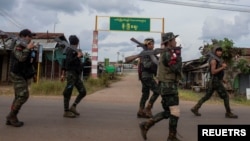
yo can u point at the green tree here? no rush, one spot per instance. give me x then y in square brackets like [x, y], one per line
[243, 66]
[229, 51]
[235, 66]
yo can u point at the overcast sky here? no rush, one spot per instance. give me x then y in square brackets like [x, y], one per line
[194, 25]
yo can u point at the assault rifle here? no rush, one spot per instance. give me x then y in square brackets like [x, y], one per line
[149, 52]
[66, 45]
[14, 39]
[139, 44]
[212, 56]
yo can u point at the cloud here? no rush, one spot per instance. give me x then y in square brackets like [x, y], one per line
[219, 28]
[28, 14]
[8, 4]
[118, 6]
[86, 40]
[69, 7]
[193, 24]
[46, 12]
[114, 44]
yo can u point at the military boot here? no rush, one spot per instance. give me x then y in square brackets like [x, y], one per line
[73, 110]
[195, 110]
[141, 113]
[172, 136]
[144, 126]
[148, 111]
[12, 120]
[69, 114]
[230, 115]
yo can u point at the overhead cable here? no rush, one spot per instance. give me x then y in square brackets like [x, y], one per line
[206, 4]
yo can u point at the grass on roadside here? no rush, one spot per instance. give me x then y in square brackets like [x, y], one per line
[56, 87]
[189, 95]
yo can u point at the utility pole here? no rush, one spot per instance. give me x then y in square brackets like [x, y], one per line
[118, 53]
[55, 27]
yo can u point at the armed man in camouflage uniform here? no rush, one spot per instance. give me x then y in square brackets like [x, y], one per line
[216, 84]
[73, 68]
[168, 74]
[147, 72]
[22, 69]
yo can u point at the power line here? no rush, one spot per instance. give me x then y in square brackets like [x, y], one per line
[204, 5]
[221, 3]
[8, 17]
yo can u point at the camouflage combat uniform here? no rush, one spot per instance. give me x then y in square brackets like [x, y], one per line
[73, 66]
[215, 84]
[22, 69]
[168, 74]
[148, 71]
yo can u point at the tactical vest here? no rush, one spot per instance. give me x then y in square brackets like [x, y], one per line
[218, 75]
[151, 67]
[72, 62]
[164, 73]
[24, 69]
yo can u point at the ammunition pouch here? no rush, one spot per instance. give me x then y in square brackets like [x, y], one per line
[24, 69]
[29, 74]
[152, 69]
[26, 73]
[168, 88]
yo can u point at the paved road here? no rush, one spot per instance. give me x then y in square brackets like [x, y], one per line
[107, 115]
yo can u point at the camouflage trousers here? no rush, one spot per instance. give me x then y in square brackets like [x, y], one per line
[215, 85]
[147, 85]
[170, 98]
[21, 91]
[73, 79]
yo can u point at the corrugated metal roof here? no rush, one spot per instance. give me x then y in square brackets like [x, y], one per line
[45, 39]
[40, 35]
[48, 46]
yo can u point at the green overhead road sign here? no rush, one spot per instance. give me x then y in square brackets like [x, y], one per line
[129, 24]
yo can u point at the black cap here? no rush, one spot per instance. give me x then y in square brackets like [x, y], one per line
[26, 32]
